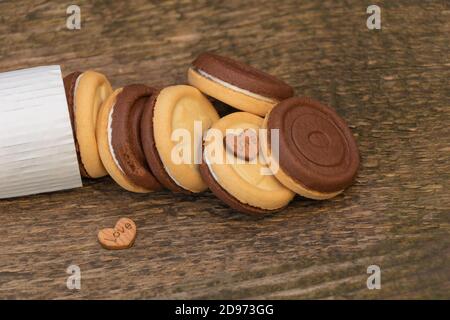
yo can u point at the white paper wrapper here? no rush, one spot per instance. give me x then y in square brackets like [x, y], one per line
[37, 151]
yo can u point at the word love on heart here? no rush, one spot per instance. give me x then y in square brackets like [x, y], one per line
[120, 237]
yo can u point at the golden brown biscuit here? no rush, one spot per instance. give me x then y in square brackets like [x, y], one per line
[174, 118]
[85, 94]
[237, 84]
[237, 175]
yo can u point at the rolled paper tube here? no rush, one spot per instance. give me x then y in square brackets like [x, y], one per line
[37, 151]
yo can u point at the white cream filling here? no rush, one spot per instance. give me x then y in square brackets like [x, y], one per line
[111, 149]
[233, 87]
[77, 82]
[208, 163]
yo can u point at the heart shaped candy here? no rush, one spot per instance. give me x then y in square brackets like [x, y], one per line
[120, 237]
[244, 146]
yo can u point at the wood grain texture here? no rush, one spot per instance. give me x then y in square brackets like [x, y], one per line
[392, 87]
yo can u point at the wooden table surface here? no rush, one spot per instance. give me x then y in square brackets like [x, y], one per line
[391, 85]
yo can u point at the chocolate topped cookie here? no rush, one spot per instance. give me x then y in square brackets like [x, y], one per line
[234, 170]
[318, 156]
[85, 93]
[118, 133]
[171, 133]
[237, 84]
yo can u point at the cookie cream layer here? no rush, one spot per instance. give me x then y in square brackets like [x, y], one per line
[208, 163]
[77, 82]
[233, 87]
[111, 149]
[231, 95]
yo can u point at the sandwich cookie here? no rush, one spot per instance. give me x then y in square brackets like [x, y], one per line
[171, 133]
[119, 141]
[233, 169]
[318, 156]
[85, 93]
[237, 84]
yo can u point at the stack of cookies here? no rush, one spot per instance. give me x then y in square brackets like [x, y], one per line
[255, 160]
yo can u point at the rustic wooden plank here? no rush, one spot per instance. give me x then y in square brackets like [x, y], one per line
[391, 86]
